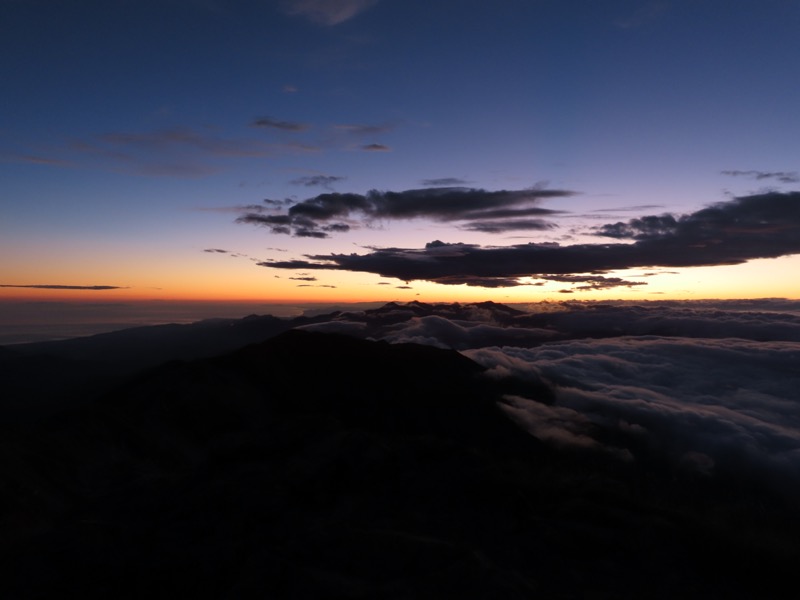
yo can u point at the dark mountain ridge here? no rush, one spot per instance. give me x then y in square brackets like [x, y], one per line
[321, 466]
[81, 368]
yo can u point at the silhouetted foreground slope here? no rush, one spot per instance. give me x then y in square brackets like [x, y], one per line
[322, 466]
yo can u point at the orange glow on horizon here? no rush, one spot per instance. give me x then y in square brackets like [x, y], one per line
[243, 282]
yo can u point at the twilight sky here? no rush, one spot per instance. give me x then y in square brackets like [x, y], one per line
[352, 150]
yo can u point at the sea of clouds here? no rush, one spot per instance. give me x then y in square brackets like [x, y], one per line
[708, 388]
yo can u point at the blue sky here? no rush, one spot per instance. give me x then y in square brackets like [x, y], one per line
[133, 133]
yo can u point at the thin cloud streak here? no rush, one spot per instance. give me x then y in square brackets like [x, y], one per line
[444, 182]
[363, 129]
[65, 287]
[323, 181]
[270, 123]
[376, 148]
[781, 176]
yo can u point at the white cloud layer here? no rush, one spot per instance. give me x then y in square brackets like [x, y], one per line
[702, 388]
[727, 405]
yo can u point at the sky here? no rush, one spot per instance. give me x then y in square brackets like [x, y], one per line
[366, 150]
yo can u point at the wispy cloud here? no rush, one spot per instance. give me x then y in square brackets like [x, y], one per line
[781, 176]
[363, 129]
[323, 181]
[327, 12]
[186, 138]
[270, 123]
[376, 148]
[178, 151]
[444, 182]
[35, 159]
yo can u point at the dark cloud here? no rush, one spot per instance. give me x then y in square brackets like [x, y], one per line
[324, 181]
[217, 250]
[485, 282]
[781, 176]
[327, 12]
[66, 287]
[270, 123]
[303, 278]
[649, 227]
[337, 227]
[481, 208]
[727, 233]
[375, 148]
[591, 282]
[304, 232]
[509, 225]
[444, 182]
[275, 223]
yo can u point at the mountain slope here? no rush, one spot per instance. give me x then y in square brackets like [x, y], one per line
[322, 466]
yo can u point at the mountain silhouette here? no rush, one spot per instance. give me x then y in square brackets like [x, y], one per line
[316, 465]
[81, 368]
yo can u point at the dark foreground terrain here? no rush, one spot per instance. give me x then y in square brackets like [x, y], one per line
[322, 466]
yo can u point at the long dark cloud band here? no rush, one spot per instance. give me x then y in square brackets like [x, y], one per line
[65, 287]
[728, 233]
[478, 209]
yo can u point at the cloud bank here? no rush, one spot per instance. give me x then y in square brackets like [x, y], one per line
[727, 233]
[476, 209]
[706, 405]
[700, 389]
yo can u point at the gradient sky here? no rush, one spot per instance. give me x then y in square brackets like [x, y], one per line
[194, 149]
